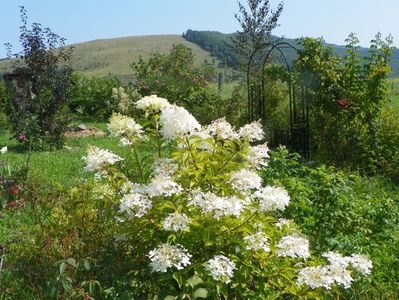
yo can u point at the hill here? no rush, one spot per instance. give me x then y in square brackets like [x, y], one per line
[101, 57]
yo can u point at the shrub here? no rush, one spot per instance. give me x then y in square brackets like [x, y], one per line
[188, 218]
[37, 105]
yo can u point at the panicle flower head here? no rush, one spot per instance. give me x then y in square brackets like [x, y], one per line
[177, 122]
[251, 132]
[215, 205]
[361, 263]
[165, 167]
[257, 241]
[336, 258]
[293, 246]
[152, 104]
[176, 222]
[168, 256]
[97, 159]
[162, 185]
[257, 156]
[315, 277]
[221, 268]
[272, 198]
[120, 125]
[135, 205]
[340, 275]
[4, 150]
[245, 180]
[221, 130]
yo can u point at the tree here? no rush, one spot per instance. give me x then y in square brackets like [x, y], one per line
[37, 106]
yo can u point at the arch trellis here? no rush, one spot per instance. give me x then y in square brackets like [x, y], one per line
[296, 137]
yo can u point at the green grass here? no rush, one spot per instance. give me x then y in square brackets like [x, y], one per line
[101, 57]
[63, 167]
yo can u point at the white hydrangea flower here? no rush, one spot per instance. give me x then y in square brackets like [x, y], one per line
[168, 256]
[130, 187]
[272, 198]
[336, 258]
[125, 142]
[221, 268]
[315, 277]
[222, 130]
[245, 180]
[361, 263]
[120, 125]
[216, 206]
[340, 275]
[152, 104]
[165, 167]
[251, 132]
[177, 122]
[97, 159]
[135, 205]
[293, 246]
[4, 150]
[257, 241]
[161, 185]
[176, 222]
[258, 155]
[283, 222]
[206, 140]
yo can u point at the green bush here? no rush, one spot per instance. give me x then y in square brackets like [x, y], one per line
[346, 213]
[186, 219]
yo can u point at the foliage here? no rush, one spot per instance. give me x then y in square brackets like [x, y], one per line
[191, 226]
[175, 77]
[346, 213]
[95, 97]
[37, 107]
[348, 95]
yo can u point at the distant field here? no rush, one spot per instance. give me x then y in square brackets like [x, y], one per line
[101, 57]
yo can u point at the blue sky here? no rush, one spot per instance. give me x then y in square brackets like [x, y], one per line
[85, 20]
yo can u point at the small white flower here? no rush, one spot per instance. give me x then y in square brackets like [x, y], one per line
[97, 159]
[176, 222]
[177, 122]
[251, 132]
[134, 204]
[168, 256]
[162, 185]
[125, 142]
[293, 246]
[272, 198]
[361, 263]
[165, 167]
[120, 125]
[336, 258]
[221, 268]
[340, 275]
[245, 180]
[221, 130]
[215, 205]
[257, 241]
[4, 150]
[315, 277]
[257, 156]
[152, 104]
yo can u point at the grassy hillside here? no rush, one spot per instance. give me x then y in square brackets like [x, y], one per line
[100, 57]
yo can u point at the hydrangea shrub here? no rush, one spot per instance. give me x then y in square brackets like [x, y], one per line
[198, 220]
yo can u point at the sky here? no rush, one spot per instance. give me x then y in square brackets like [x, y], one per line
[84, 20]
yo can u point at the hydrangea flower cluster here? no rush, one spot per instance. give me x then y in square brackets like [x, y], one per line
[221, 268]
[245, 180]
[257, 241]
[216, 206]
[251, 132]
[176, 222]
[257, 156]
[272, 198]
[336, 272]
[177, 122]
[97, 159]
[152, 104]
[293, 246]
[123, 126]
[168, 256]
[134, 204]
